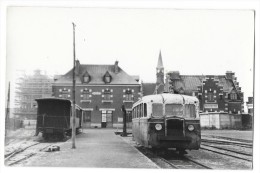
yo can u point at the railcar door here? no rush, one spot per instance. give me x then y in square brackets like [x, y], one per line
[86, 119]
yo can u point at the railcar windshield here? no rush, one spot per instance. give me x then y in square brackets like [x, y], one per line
[174, 109]
[157, 110]
[190, 111]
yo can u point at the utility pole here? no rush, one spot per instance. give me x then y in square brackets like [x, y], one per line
[7, 116]
[73, 93]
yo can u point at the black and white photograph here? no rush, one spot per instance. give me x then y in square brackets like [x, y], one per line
[149, 85]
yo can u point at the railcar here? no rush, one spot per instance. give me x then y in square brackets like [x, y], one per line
[166, 121]
[54, 117]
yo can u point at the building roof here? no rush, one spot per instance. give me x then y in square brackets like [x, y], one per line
[189, 83]
[148, 88]
[96, 73]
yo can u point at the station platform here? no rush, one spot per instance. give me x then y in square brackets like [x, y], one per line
[95, 148]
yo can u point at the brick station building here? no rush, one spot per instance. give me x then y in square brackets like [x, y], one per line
[101, 90]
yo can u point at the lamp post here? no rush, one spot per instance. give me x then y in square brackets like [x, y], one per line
[124, 121]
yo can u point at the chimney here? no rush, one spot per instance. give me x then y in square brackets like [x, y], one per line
[174, 75]
[229, 75]
[116, 67]
[77, 67]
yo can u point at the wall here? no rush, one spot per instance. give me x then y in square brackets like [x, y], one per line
[220, 121]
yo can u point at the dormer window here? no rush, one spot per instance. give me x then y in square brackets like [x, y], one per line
[86, 78]
[107, 78]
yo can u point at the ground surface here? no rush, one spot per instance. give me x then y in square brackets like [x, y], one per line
[103, 149]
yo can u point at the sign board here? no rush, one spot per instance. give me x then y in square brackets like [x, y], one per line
[96, 93]
[120, 120]
[211, 106]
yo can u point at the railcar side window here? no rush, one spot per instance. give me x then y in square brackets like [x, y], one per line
[138, 111]
[142, 113]
[190, 111]
[174, 109]
[145, 110]
[157, 110]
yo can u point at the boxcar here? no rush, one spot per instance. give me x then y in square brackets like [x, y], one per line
[166, 121]
[54, 117]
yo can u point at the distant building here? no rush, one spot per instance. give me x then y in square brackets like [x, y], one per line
[101, 90]
[29, 88]
[250, 106]
[216, 93]
[221, 98]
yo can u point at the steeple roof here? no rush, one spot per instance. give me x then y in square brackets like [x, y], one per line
[160, 63]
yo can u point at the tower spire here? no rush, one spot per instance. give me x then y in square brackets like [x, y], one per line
[160, 71]
[160, 63]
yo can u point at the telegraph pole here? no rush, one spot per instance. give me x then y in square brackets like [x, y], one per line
[7, 116]
[73, 93]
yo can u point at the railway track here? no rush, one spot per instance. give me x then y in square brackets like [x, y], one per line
[182, 162]
[227, 152]
[224, 142]
[22, 154]
[172, 160]
[227, 138]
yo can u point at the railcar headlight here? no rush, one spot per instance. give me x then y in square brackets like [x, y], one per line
[190, 127]
[158, 127]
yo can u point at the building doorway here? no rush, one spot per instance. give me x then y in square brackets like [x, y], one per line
[106, 119]
[86, 120]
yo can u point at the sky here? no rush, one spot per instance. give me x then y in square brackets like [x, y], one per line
[193, 42]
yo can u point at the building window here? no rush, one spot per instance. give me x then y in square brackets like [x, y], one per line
[107, 95]
[221, 96]
[233, 96]
[64, 93]
[128, 95]
[210, 96]
[85, 95]
[199, 96]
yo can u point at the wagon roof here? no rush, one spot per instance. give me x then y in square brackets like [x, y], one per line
[52, 98]
[169, 98]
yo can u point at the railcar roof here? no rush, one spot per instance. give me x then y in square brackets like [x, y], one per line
[168, 98]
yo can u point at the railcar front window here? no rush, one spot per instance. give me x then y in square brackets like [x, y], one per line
[174, 109]
[157, 110]
[190, 111]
